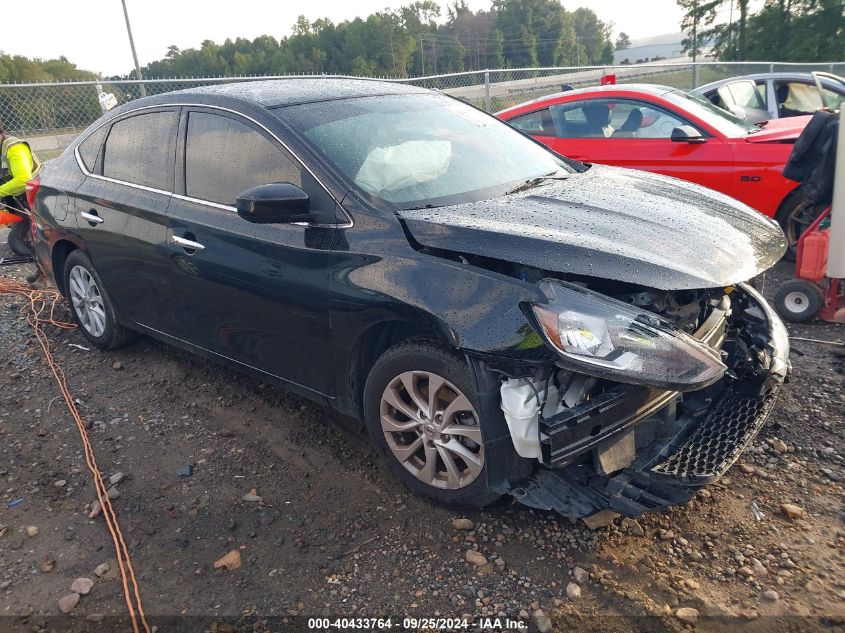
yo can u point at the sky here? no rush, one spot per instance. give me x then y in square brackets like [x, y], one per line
[92, 33]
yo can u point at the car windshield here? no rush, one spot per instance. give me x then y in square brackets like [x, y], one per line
[724, 122]
[421, 150]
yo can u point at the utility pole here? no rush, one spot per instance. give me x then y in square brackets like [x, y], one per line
[695, 33]
[422, 55]
[143, 90]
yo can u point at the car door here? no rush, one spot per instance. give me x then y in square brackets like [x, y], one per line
[121, 212]
[634, 134]
[257, 294]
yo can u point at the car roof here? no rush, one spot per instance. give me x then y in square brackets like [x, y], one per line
[655, 90]
[297, 90]
[762, 76]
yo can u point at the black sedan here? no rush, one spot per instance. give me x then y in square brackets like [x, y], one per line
[504, 320]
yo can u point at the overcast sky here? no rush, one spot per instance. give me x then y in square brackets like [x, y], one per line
[92, 33]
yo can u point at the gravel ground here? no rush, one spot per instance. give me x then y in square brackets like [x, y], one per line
[323, 530]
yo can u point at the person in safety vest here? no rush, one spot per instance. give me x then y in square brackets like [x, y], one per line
[18, 164]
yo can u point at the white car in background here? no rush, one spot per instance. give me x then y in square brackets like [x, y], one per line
[775, 95]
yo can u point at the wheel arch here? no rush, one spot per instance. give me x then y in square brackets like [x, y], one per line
[375, 341]
[787, 200]
[58, 256]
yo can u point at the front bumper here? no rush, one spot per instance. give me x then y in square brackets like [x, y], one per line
[682, 442]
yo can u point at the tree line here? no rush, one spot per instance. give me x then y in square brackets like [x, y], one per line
[412, 40]
[20, 69]
[778, 30]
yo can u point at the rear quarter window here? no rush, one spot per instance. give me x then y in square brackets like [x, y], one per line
[89, 149]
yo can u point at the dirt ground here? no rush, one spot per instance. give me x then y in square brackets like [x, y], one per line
[334, 535]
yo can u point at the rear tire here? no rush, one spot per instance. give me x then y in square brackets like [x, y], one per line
[799, 300]
[91, 306]
[434, 442]
[18, 239]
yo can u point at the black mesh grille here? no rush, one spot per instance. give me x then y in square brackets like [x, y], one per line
[718, 440]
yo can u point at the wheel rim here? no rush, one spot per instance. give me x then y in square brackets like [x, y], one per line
[432, 428]
[796, 302]
[87, 301]
[799, 220]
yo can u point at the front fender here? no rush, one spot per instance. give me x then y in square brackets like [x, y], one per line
[470, 308]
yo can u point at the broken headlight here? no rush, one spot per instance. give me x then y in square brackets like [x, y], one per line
[603, 337]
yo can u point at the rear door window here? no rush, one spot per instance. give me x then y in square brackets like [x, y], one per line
[139, 150]
[225, 156]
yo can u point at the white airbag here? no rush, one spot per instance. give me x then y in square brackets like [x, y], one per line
[404, 165]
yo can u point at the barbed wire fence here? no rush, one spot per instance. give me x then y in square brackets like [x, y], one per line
[42, 109]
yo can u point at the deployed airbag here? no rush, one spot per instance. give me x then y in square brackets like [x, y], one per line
[407, 164]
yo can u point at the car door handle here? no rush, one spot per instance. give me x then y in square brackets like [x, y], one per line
[91, 217]
[188, 245]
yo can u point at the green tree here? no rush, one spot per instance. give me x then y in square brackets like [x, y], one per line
[623, 41]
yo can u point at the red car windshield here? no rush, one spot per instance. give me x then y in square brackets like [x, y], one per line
[723, 121]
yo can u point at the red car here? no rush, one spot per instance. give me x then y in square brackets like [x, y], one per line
[667, 131]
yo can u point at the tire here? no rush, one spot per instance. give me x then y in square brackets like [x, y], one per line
[91, 306]
[413, 365]
[795, 214]
[18, 238]
[799, 300]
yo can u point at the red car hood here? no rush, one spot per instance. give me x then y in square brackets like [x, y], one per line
[780, 130]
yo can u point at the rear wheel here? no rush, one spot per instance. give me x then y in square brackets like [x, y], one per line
[91, 306]
[799, 300]
[795, 215]
[421, 408]
[19, 240]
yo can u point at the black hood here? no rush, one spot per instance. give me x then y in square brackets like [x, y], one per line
[614, 224]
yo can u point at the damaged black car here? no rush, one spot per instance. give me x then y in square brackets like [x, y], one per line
[504, 320]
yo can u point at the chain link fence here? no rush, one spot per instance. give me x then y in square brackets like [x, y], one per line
[53, 109]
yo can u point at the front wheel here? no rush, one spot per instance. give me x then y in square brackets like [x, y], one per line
[19, 239]
[421, 408]
[799, 300]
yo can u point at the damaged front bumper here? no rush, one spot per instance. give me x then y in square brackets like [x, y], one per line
[675, 443]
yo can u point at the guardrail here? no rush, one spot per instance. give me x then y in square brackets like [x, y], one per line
[36, 109]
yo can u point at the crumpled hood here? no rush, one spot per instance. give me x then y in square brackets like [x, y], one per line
[612, 223]
[783, 130]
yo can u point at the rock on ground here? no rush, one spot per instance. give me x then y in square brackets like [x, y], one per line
[68, 602]
[600, 519]
[688, 615]
[476, 558]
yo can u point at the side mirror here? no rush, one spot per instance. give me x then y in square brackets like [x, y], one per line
[276, 203]
[687, 134]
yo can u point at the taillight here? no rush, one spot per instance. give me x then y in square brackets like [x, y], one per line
[31, 190]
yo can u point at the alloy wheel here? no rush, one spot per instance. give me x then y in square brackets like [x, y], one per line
[432, 428]
[87, 301]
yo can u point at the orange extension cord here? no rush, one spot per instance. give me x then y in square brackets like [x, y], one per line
[41, 310]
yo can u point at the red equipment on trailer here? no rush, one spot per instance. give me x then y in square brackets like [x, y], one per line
[812, 293]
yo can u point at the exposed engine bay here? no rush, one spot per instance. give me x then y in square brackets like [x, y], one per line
[606, 443]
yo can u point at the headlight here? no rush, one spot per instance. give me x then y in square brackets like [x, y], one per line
[607, 338]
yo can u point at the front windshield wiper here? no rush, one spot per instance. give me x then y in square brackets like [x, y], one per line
[534, 182]
[758, 127]
[425, 206]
